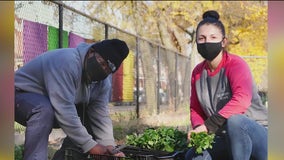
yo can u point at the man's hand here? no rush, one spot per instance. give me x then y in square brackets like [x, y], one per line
[98, 149]
[201, 128]
[106, 150]
[113, 151]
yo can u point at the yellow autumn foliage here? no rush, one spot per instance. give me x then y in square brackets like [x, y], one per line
[173, 23]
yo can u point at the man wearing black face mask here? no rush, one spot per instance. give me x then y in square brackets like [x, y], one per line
[101, 57]
[52, 90]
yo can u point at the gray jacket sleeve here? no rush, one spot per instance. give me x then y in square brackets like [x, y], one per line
[61, 85]
[98, 112]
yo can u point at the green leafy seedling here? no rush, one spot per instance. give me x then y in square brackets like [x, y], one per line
[201, 141]
[167, 139]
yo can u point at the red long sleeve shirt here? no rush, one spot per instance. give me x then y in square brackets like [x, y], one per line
[228, 90]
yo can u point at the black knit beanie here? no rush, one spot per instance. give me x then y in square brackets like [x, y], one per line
[113, 50]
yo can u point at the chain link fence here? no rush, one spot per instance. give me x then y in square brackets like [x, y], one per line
[152, 78]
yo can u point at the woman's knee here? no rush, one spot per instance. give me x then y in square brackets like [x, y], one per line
[236, 121]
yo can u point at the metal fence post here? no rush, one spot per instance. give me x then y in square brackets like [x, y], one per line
[137, 79]
[176, 65]
[106, 31]
[158, 81]
[60, 21]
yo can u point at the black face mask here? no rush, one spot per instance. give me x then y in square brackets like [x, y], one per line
[209, 51]
[94, 70]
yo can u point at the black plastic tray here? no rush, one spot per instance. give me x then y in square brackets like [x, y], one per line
[131, 153]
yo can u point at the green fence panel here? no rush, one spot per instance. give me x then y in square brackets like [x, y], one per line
[53, 38]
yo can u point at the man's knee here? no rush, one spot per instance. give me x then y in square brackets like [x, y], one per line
[48, 112]
[44, 112]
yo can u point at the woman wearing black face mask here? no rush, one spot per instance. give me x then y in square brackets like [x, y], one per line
[224, 99]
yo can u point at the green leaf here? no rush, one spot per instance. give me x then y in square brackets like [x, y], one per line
[201, 141]
[199, 150]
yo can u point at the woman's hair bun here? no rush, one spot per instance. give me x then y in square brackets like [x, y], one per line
[211, 14]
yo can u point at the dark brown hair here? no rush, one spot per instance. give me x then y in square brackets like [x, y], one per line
[211, 17]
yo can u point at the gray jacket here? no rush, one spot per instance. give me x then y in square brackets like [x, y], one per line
[58, 75]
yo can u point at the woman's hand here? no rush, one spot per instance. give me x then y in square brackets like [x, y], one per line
[201, 128]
